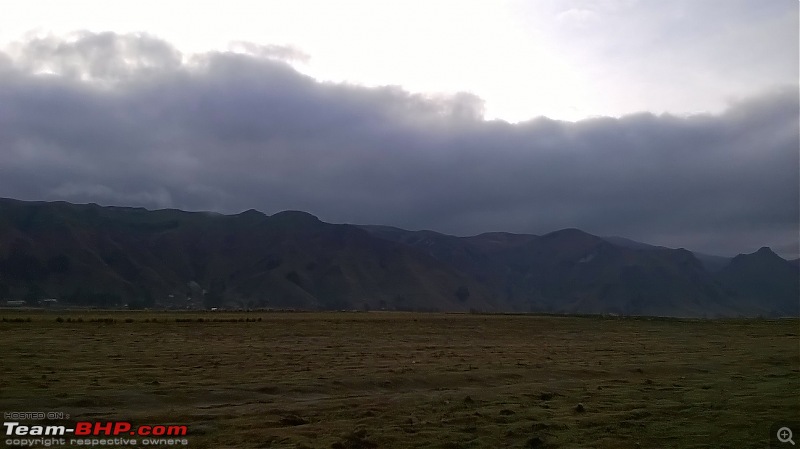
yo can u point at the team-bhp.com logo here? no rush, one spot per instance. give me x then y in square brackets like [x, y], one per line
[87, 433]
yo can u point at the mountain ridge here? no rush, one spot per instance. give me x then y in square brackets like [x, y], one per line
[86, 254]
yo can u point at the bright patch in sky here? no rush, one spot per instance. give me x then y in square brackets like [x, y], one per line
[565, 60]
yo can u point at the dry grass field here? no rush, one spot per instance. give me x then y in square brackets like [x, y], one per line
[395, 380]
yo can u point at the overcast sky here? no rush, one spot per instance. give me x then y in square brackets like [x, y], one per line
[673, 123]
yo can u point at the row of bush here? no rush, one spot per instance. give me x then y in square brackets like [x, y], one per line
[93, 320]
[146, 320]
[217, 320]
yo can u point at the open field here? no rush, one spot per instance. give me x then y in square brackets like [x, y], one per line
[362, 380]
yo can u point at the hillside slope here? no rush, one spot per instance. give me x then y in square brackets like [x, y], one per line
[87, 254]
[114, 256]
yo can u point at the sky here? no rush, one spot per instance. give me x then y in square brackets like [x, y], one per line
[673, 123]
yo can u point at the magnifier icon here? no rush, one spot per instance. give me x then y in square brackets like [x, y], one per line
[785, 435]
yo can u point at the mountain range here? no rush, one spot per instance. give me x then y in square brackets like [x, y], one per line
[85, 254]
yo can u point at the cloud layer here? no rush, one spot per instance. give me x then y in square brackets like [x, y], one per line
[129, 120]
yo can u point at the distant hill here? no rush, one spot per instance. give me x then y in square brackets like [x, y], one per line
[573, 271]
[87, 254]
[570, 271]
[765, 280]
[114, 256]
[710, 262]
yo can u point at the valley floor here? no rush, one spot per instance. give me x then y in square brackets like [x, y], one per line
[402, 380]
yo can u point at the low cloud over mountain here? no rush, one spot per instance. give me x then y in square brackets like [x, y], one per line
[129, 120]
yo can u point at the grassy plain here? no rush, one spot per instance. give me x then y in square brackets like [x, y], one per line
[396, 380]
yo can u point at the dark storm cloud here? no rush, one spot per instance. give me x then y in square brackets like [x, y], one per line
[128, 120]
